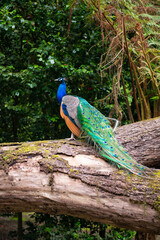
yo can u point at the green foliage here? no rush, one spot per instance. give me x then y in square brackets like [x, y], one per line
[44, 226]
[35, 50]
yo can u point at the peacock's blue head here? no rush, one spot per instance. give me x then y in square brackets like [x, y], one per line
[61, 92]
[61, 79]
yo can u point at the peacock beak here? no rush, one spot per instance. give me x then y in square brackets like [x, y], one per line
[60, 79]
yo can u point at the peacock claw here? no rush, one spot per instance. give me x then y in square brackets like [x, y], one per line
[71, 138]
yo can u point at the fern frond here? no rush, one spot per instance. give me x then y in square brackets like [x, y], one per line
[154, 18]
[145, 70]
[153, 59]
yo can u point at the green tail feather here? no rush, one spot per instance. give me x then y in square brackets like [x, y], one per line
[97, 127]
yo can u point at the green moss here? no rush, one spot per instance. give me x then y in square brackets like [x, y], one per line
[26, 148]
[51, 168]
[10, 144]
[157, 204]
[57, 157]
[7, 158]
[16, 154]
[11, 156]
[157, 174]
[154, 183]
[74, 171]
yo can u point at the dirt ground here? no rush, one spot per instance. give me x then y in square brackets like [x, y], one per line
[8, 225]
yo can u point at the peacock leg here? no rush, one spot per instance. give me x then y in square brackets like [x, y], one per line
[116, 124]
[71, 138]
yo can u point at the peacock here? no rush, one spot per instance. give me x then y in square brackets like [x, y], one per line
[85, 120]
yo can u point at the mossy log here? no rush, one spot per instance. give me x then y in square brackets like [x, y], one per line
[68, 177]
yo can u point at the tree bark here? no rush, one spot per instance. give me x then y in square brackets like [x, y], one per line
[69, 177]
[142, 140]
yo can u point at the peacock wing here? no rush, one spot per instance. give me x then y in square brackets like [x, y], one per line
[70, 105]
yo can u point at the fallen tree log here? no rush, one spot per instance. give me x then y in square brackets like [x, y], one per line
[68, 177]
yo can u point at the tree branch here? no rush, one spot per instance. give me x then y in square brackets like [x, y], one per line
[68, 177]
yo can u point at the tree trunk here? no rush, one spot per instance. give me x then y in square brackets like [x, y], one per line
[20, 227]
[68, 177]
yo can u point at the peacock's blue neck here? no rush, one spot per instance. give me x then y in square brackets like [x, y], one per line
[61, 92]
